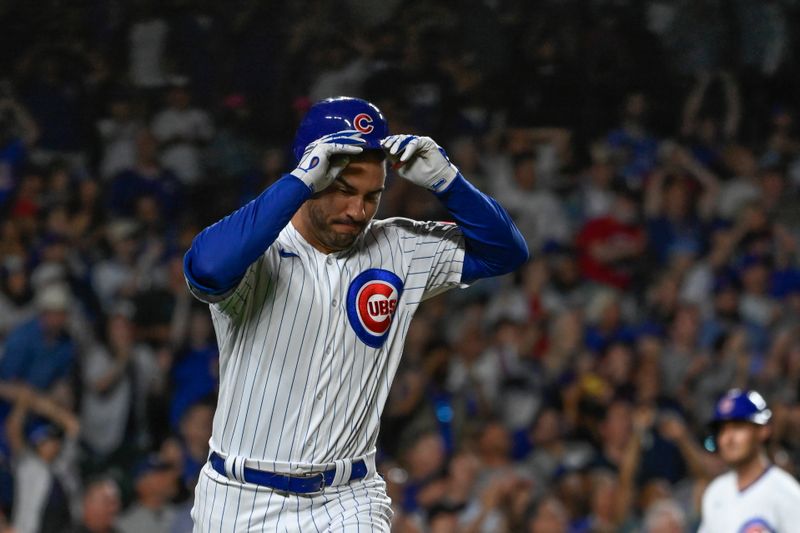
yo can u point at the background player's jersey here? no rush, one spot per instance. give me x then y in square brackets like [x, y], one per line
[771, 504]
[310, 343]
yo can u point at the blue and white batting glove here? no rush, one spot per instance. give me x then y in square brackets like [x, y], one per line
[420, 160]
[325, 158]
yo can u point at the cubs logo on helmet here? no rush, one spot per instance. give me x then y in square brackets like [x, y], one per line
[371, 303]
[726, 405]
[756, 525]
[363, 123]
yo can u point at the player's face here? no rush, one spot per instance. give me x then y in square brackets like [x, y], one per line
[340, 213]
[739, 442]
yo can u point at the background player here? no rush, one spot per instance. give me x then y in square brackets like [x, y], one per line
[755, 496]
[311, 301]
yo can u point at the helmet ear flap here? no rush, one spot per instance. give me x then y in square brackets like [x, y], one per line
[339, 114]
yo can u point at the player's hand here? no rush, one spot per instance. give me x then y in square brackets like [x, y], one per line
[420, 160]
[325, 158]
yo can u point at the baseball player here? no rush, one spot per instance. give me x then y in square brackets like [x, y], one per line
[755, 496]
[311, 301]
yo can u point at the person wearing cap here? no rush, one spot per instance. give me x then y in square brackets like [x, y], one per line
[43, 459]
[755, 495]
[41, 351]
[155, 482]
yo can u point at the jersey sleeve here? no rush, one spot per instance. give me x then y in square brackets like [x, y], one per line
[231, 302]
[436, 252]
[221, 254]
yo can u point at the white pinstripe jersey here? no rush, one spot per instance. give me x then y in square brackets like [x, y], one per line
[770, 504]
[309, 343]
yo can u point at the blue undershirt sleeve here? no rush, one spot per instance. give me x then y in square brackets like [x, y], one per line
[493, 244]
[221, 253]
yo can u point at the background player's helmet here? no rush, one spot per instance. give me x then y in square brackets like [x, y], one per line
[745, 405]
[337, 114]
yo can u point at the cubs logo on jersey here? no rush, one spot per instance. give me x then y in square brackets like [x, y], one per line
[756, 525]
[371, 304]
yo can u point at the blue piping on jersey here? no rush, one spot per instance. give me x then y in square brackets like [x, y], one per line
[756, 480]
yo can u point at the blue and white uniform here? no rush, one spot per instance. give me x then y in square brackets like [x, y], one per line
[309, 345]
[771, 504]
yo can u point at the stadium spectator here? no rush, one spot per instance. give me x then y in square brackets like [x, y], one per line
[664, 517]
[194, 433]
[118, 276]
[536, 209]
[181, 131]
[633, 145]
[18, 133]
[155, 483]
[16, 297]
[147, 47]
[195, 371]
[649, 150]
[548, 516]
[118, 132]
[44, 459]
[704, 131]
[41, 352]
[594, 195]
[610, 246]
[146, 178]
[101, 507]
[232, 151]
[109, 375]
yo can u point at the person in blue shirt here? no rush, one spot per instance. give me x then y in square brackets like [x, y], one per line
[41, 351]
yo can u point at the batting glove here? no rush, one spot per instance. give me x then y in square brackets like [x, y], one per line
[325, 158]
[420, 160]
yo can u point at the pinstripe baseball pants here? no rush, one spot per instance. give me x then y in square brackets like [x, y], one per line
[222, 505]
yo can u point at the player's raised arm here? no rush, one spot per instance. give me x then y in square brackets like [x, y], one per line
[221, 253]
[494, 245]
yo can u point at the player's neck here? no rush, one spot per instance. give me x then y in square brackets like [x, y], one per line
[303, 228]
[748, 473]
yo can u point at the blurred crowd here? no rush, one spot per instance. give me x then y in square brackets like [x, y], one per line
[648, 150]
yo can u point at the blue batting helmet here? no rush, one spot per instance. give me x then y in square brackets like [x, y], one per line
[337, 114]
[744, 405]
